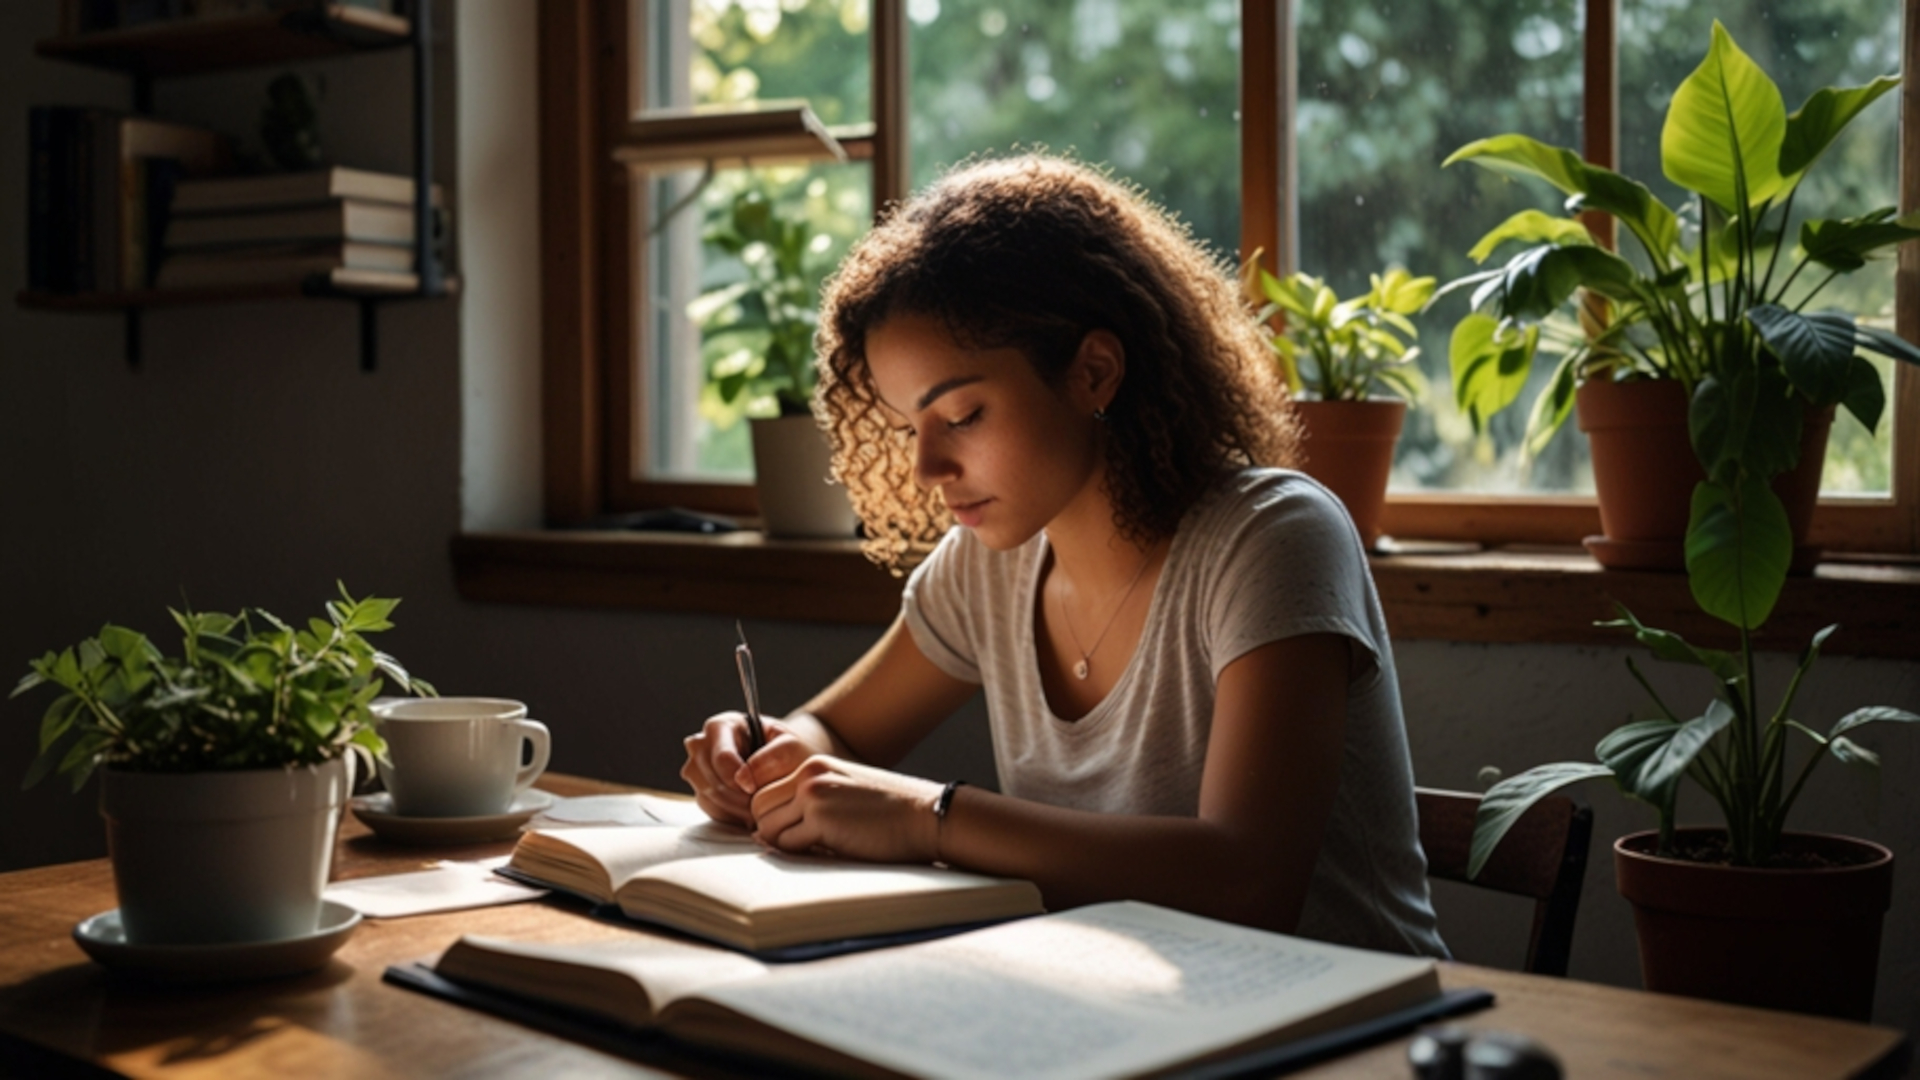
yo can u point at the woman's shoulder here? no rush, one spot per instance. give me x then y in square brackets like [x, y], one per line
[1262, 496]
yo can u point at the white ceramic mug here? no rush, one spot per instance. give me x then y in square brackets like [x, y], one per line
[458, 756]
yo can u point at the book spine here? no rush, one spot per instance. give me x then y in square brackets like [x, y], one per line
[163, 175]
[80, 196]
[109, 229]
[60, 200]
[39, 197]
[133, 224]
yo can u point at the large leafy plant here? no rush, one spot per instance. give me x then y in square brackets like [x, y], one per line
[247, 691]
[757, 323]
[1736, 749]
[1721, 304]
[1343, 350]
[1722, 317]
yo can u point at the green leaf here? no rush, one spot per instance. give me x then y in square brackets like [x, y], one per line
[27, 682]
[1872, 714]
[1489, 365]
[1520, 156]
[1738, 548]
[1554, 404]
[1887, 344]
[1812, 127]
[1846, 245]
[1724, 129]
[1852, 753]
[1506, 801]
[1864, 396]
[1816, 351]
[1595, 188]
[58, 720]
[1651, 756]
[1531, 226]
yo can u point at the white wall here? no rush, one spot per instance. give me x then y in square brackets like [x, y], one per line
[249, 461]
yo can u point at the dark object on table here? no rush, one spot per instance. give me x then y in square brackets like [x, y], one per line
[1454, 1053]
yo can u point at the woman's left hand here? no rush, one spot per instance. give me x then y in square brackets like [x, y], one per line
[849, 809]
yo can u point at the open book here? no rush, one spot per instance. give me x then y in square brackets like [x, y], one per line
[1110, 990]
[716, 882]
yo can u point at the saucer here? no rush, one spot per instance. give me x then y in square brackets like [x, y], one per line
[104, 938]
[377, 811]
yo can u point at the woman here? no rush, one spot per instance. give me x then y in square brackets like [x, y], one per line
[1187, 672]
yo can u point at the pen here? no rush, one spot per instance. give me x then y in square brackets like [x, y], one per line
[749, 686]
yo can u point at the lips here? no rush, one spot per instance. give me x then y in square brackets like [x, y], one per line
[968, 513]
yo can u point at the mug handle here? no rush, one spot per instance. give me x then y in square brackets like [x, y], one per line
[535, 732]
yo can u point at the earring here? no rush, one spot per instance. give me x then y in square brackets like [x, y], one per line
[1100, 415]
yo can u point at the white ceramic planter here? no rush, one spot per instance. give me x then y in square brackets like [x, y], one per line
[791, 466]
[222, 856]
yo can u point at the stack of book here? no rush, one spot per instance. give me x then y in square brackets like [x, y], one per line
[352, 227]
[99, 185]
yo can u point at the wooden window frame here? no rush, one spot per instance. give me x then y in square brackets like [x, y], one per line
[1520, 594]
[590, 210]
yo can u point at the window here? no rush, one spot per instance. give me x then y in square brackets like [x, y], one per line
[1339, 113]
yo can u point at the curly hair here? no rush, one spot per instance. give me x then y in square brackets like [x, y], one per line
[1033, 252]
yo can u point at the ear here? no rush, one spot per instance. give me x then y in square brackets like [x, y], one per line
[1099, 366]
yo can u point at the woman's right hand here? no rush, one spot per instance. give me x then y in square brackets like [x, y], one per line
[717, 771]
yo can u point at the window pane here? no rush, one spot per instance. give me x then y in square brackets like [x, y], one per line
[1386, 91]
[1803, 45]
[759, 50]
[705, 308]
[1146, 87]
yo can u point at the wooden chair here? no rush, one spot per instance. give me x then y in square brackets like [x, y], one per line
[1543, 857]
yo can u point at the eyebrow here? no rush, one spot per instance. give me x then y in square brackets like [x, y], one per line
[938, 389]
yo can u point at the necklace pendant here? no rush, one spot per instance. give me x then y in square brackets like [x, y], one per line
[1080, 670]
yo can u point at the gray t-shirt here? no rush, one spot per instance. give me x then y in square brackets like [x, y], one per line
[1267, 555]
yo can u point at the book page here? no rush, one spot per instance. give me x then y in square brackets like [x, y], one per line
[771, 900]
[1106, 990]
[628, 979]
[574, 858]
[637, 808]
[770, 881]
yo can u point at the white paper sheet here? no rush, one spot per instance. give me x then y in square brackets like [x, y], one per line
[635, 809]
[449, 886]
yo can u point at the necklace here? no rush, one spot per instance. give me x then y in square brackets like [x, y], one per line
[1083, 668]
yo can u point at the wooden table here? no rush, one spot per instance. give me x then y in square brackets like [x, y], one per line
[60, 1014]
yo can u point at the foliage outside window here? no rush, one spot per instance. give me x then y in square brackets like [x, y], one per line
[1382, 92]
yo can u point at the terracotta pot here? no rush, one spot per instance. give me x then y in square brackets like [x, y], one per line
[1349, 448]
[791, 466]
[1644, 473]
[1803, 940]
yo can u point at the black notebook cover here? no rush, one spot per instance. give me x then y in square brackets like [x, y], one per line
[654, 1047]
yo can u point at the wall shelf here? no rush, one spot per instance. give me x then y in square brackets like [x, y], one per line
[186, 46]
[189, 46]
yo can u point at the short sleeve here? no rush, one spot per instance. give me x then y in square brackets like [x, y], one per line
[1290, 563]
[935, 608]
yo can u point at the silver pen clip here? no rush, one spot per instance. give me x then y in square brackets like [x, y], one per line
[750, 687]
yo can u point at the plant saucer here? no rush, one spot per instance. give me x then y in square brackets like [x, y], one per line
[104, 938]
[378, 813]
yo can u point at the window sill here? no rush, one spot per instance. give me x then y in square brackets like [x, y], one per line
[1509, 595]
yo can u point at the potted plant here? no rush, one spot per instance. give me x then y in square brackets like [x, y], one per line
[224, 770]
[1746, 911]
[1713, 336]
[757, 345]
[1350, 369]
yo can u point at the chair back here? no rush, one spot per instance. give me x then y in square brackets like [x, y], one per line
[1543, 857]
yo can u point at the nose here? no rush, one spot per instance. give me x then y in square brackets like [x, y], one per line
[932, 465]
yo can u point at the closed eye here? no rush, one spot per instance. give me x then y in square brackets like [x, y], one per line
[965, 421]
